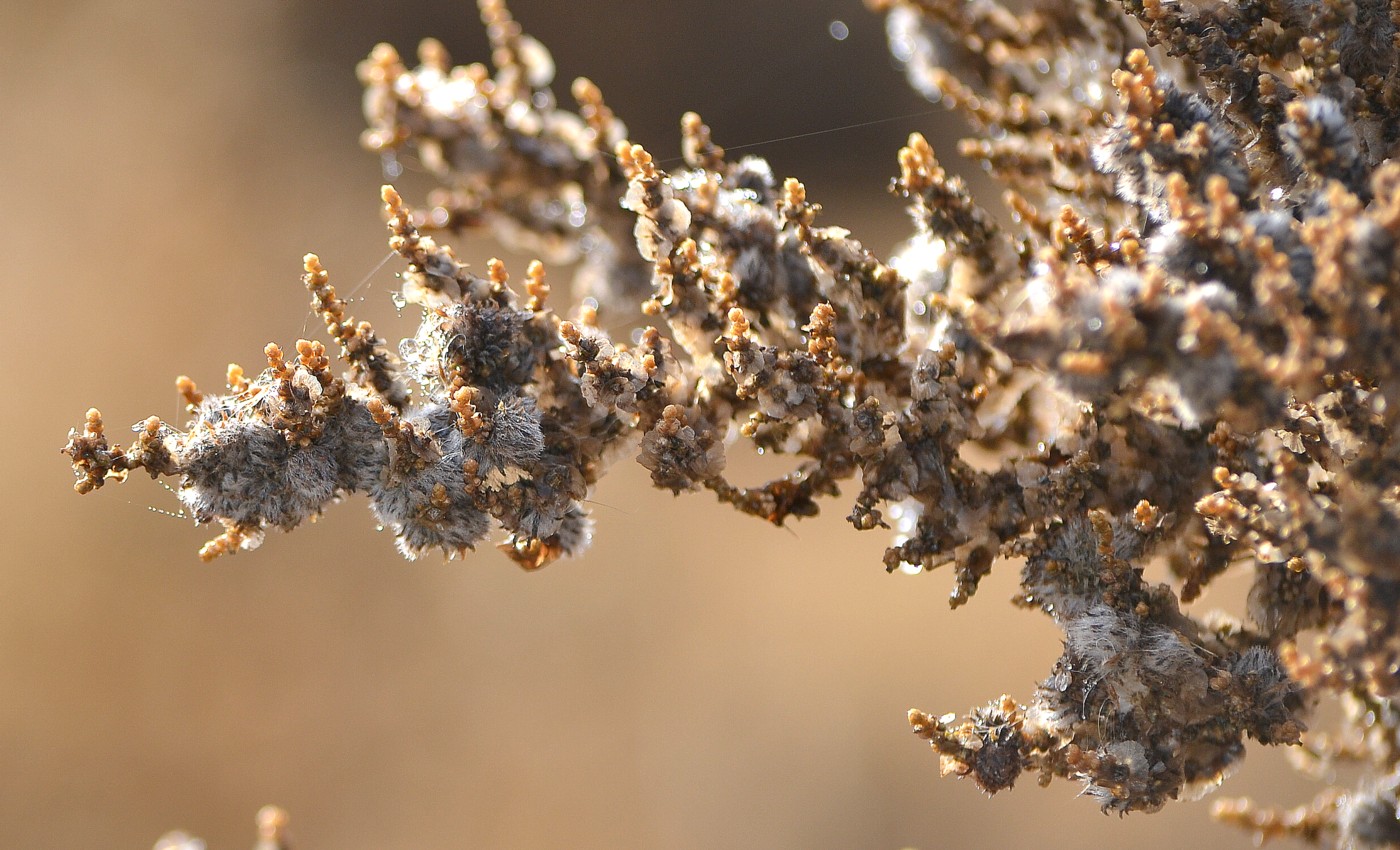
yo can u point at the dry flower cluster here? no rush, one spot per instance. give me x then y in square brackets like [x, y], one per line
[1179, 348]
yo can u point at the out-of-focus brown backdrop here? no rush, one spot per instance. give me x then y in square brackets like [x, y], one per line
[698, 680]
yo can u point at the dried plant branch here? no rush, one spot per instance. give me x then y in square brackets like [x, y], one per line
[1195, 361]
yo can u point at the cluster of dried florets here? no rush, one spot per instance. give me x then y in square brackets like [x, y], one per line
[500, 428]
[1218, 290]
[1193, 362]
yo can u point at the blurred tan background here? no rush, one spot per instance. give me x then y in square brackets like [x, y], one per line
[698, 680]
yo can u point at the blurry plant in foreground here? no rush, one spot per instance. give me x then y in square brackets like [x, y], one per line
[272, 834]
[1181, 350]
